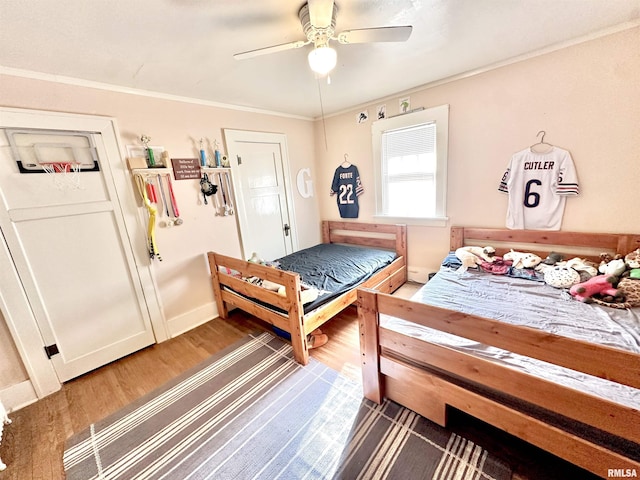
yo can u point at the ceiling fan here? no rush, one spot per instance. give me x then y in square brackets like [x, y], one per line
[318, 19]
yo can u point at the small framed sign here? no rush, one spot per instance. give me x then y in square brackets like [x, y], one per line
[185, 168]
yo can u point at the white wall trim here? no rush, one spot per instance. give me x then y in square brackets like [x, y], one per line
[18, 396]
[79, 82]
[191, 319]
[48, 77]
[418, 274]
[487, 68]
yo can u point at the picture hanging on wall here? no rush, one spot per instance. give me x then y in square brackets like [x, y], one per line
[405, 104]
[362, 116]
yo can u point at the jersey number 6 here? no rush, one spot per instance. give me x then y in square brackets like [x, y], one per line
[531, 199]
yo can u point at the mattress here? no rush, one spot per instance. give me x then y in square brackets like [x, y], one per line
[532, 304]
[334, 268]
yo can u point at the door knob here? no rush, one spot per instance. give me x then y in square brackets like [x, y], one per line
[286, 229]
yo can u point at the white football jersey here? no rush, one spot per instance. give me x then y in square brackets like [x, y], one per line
[538, 185]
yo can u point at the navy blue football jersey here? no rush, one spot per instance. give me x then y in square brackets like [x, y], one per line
[347, 186]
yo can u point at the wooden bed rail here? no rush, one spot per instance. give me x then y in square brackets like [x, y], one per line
[412, 372]
[571, 244]
[291, 302]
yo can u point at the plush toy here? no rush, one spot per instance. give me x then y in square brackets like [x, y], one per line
[634, 273]
[561, 277]
[522, 260]
[628, 295]
[615, 267]
[473, 256]
[553, 258]
[584, 267]
[633, 259]
[598, 285]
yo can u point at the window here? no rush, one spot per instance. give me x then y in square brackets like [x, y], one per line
[410, 161]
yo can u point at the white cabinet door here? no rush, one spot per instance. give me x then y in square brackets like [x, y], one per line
[71, 253]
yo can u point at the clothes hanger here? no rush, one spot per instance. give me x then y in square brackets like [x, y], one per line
[544, 149]
[346, 163]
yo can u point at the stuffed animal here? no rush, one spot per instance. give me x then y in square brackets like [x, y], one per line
[473, 256]
[522, 260]
[584, 267]
[553, 258]
[633, 259]
[628, 295]
[561, 277]
[615, 267]
[598, 285]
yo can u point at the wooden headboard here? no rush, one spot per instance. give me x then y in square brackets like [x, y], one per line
[375, 235]
[542, 242]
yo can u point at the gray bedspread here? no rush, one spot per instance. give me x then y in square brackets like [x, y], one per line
[533, 304]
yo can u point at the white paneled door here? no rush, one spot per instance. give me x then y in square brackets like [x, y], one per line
[68, 244]
[260, 167]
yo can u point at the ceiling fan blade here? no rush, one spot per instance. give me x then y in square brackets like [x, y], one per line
[272, 49]
[380, 34]
[320, 13]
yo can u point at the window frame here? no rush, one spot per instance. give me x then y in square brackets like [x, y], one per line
[438, 115]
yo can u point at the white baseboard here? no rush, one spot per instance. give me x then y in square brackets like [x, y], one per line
[191, 319]
[18, 396]
[419, 274]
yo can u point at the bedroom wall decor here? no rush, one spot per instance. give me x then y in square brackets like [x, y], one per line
[304, 183]
[348, 187]
[538, 180]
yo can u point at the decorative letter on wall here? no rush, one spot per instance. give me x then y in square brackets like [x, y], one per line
[304, 182]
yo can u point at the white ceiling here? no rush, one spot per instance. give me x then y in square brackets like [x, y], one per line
[185, 47]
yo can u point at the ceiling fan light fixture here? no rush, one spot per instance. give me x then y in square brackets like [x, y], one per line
[322, 59]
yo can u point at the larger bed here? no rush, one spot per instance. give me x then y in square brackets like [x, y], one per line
[381, 248]
[518, 354]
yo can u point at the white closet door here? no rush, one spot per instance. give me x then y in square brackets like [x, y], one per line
[73, 257]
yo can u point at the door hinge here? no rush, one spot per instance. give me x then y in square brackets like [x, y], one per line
[51, 350]
[239, 160]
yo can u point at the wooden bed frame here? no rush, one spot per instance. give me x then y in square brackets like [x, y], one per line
[426, 377]
[295, 322]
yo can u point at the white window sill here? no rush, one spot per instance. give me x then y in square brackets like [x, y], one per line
[426, 222]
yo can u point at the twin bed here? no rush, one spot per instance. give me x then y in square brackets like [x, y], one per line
[515, 353]
[352, 255]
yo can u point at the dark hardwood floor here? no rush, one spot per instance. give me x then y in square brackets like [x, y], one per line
[33, 444]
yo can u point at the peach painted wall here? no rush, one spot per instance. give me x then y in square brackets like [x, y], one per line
[587, 99]
[182, 277]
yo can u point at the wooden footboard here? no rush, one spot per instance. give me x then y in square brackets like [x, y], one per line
[238, 293]
[427, 377]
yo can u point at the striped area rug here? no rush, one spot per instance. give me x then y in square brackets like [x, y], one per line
[251, 412]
